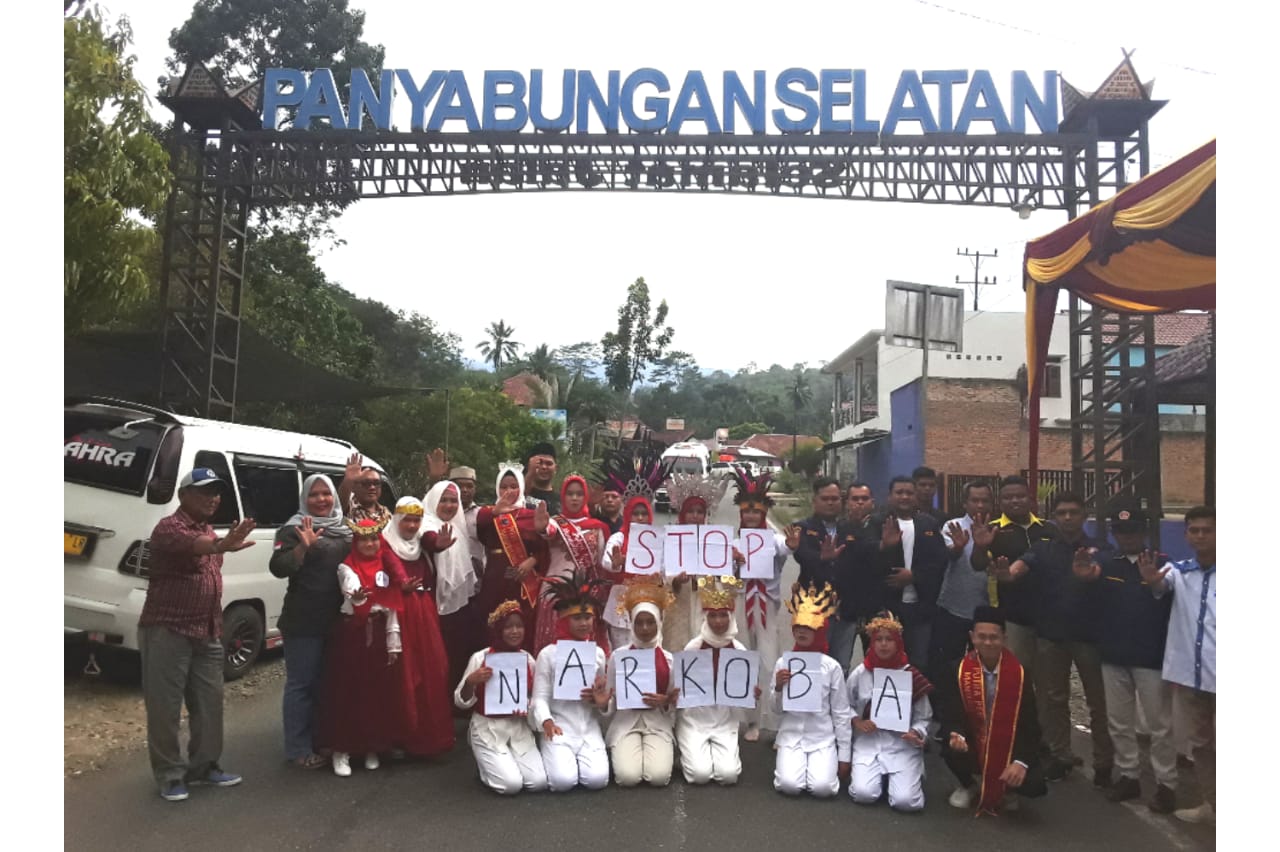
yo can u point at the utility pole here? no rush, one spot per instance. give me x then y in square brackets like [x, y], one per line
[977, 262]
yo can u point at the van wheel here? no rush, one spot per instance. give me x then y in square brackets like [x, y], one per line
[243, 636]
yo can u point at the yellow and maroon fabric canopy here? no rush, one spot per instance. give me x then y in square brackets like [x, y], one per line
[1149, 249]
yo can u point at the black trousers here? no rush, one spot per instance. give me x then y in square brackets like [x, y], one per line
[950, 643]
[964, 767]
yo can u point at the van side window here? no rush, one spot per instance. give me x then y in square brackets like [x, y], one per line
[229, 509]
[269, 494]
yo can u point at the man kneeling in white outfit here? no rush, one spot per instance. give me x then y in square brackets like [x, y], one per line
[813, 748]
[879, 753]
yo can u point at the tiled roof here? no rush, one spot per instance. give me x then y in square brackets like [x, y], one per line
[518, 390]
[1179, 329]
[1189, 361]
[777, 445]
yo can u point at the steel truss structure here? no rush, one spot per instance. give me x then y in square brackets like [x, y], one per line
[224, 164]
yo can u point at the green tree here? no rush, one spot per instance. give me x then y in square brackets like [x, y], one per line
[745, 430]
[639, 340]
[584, 358]
[541, 363]
[114, 171]
[801, 396]
[237, 39]
[499, 347]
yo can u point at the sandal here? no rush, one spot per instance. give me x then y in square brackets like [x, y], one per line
[311, 761]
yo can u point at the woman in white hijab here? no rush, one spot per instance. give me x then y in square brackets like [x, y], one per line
[641, 741]
[708, 736]
[515, 558]
[456, 582]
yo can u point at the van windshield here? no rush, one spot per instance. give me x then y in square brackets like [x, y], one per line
[91, 456]
[687, 465]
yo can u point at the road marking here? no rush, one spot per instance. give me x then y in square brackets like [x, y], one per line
[1161, 824]
[680, 815]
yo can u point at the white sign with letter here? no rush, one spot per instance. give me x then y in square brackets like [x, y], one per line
[575, 669]
[891, 699]
[635, 673]
[680, 550]
[757, 548]
[694, 674]
[736, 678]
[715, 550]
[803, 693]
[507, 691]
[644, 550]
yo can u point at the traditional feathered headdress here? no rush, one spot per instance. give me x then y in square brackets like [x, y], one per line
[753, 491]
[811, 608]
[575, 595]
[645, 589]
[718, 592]
[682, 486]
[634, 475]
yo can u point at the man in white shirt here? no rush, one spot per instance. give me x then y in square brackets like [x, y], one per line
[1190, 654]
[963, 589]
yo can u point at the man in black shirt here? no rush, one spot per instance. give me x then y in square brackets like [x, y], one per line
[610, 508]
[1008, 537]
[539, 471]
[1066, 633]
[1132, 627]
[925, 480]
[914, 558]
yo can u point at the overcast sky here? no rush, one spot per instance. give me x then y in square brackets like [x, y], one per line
[748, 278]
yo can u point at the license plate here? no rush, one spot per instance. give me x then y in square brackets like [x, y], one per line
[73, 544]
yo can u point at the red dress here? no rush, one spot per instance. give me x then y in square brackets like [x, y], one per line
[357, 712]
[424, 714]
[495, 586]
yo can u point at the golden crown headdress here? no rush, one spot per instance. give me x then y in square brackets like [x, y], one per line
[366, 527]
[812, 607]
[884, 621]
[718, 592]
[504, 609]
[645, 589]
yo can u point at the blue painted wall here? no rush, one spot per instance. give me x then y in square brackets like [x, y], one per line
[873, 465]
[908, 437]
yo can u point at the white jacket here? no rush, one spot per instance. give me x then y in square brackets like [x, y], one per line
[496, 733]
[832, 726]
[894, 753]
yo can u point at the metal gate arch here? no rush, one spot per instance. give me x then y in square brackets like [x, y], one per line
[225, 164]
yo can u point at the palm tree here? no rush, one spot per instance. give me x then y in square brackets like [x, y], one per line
[499, 347]
[541, 364]
[801, 396]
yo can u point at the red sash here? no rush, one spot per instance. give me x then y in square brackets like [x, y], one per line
[576, 545]
[991, 740]
[513, 547]
[661, 668]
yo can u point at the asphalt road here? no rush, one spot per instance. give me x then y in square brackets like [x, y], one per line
[442, 804]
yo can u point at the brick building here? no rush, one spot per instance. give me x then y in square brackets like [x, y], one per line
[970, 418]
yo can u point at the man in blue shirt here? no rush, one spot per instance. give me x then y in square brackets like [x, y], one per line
[1190, 654]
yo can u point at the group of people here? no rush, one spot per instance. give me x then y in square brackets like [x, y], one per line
[389, 614]
[1140, 631]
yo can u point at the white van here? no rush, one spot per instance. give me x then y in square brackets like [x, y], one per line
[690, 457]
[121, 465]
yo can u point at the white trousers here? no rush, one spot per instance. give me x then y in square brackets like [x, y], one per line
[642, 756]
[510, 773]
[1122, 685]
[709, 755]
[764, 641]
[798, 771]
[567, 766]
[906, 786]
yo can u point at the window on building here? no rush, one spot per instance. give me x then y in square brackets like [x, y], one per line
[1052, 386]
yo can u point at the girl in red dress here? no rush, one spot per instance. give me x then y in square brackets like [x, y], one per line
[424, 720]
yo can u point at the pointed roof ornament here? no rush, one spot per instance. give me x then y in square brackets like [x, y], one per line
[1119, 105]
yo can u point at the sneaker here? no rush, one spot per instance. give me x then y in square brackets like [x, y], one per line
[1165, 800]
[1124, 789]
[961, 797]
[174, 791]
[371, 761]
[1202, 813]
[1056, 770]
[341, 764]
[1102, 777]
[217, 778]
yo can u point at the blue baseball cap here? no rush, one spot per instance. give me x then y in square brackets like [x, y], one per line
[199, 477]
